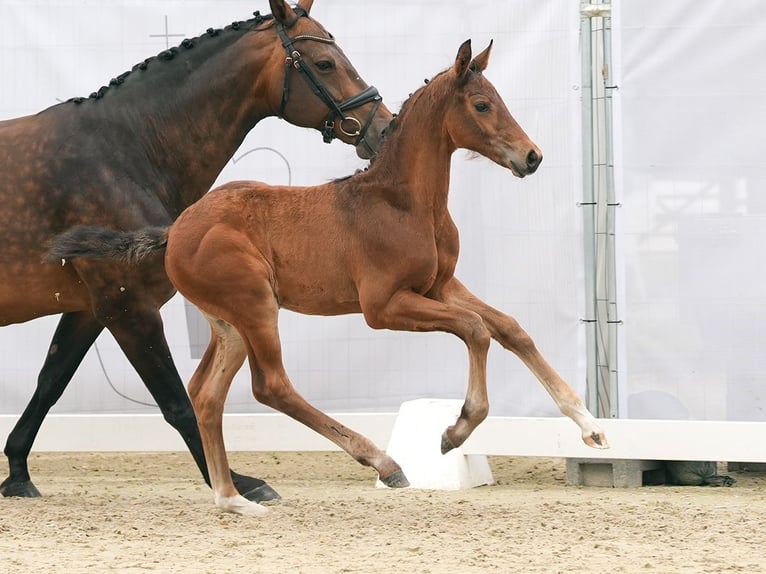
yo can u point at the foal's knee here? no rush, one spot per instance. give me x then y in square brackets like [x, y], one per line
[477, 334]
[375, 318]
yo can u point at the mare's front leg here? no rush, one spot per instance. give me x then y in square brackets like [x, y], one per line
[509, 334]
[408, 311]
[208, 389]
[74, 335]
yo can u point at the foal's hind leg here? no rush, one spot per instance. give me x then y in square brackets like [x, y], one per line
[509, 334]
[272, 387]
[74, 335]
[208, 388]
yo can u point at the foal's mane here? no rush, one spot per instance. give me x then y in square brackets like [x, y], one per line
[436, 88]
[186, 45]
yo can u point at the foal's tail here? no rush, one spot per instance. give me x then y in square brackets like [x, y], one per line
[93, 242]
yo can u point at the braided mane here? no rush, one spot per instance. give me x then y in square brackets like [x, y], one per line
[170, 54]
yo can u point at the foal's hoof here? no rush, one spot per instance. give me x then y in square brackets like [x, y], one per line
[396, 480]
[239, 505]
[23, 489]
[596, 439]
[446, 443]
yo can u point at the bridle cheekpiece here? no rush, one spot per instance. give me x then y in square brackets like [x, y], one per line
[347, 125]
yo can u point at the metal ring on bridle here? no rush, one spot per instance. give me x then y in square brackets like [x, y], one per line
[356, 132]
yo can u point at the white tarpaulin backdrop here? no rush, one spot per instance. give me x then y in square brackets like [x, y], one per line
[690, 177]
[693, 221]
[521, 241]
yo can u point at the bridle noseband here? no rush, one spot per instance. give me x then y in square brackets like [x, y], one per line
[347, 125]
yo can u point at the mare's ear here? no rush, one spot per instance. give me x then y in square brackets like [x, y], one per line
[463, 59]
[306, 5]
[283, 13]
[480, 62]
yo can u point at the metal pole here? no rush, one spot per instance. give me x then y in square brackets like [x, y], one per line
[599, 207]
[613, 319]
[588, 206]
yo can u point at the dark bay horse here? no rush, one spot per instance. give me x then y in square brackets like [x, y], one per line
[137, 153]
[380, 242]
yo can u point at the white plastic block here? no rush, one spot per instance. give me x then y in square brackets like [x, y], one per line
[415, 444]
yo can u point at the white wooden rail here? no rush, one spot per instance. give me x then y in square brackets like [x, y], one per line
[506, 436]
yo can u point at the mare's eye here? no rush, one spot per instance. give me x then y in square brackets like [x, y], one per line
[481, 107]
[325, 65]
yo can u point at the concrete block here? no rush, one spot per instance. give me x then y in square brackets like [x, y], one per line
[613, 473]
[746, 466]
[415, 444]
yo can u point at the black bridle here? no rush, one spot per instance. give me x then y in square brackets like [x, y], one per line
[347, 125]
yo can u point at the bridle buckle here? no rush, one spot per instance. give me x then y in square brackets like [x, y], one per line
[296, 59]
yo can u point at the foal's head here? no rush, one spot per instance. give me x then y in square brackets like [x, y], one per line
[477, 119]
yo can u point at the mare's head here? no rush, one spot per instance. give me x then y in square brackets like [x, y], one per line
[317, 85]
[477, 119]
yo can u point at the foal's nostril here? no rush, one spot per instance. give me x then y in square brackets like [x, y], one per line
[533, 160]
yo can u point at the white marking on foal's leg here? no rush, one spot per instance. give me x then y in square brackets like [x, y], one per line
[238, 504]
[592, 433]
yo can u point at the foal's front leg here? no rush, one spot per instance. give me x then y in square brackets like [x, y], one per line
[409, 311]
[509, 334]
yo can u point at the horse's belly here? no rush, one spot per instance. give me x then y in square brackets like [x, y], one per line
[28, 296]
[315, 298]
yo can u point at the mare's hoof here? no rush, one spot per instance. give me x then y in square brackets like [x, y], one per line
[446, 443]
[23, 489]
[396, 480]
[262, 494]
[721, 480]
[254, 489]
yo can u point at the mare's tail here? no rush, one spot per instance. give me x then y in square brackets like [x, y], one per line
[93, 242]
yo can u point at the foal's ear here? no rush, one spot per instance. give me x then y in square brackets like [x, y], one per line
[283, 13]
[480, 62]
[463, 59]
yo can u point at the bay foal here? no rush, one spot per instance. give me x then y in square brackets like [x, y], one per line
[380, 242]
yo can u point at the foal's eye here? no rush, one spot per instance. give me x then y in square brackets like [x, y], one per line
[325, 65]
[481, 107]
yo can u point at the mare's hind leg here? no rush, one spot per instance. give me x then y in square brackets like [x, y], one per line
[141, 337]
[74, 335]
[509, 334]
[208, 388]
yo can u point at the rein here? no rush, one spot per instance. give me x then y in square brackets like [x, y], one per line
[370, 94]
